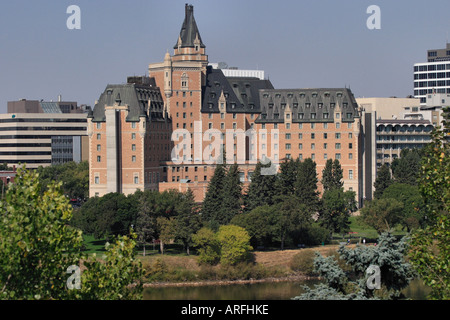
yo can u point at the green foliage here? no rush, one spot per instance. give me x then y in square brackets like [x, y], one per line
[382, 214]
[303, 262]
[235, 244]
[388, 255]
[74, 177]
[306, 185]
[430, 246]
[337, 208]
[332, 175]
[212, 203]
[37, 245]
[117, 276]
[286, 178]
[413, 214]
[208, 246]
[231, 196]
[406, 168]
[261, 190]
[383, 180]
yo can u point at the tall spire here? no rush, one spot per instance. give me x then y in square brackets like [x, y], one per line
[189, 31]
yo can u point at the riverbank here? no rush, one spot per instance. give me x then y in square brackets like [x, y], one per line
[268, 266]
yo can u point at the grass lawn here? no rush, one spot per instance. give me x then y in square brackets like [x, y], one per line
[93, 245]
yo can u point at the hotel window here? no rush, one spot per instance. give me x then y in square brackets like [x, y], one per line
[350, 156]
[313, 156]
[350, 145]
[300, 156]
[97, 180]
[325, 156]
[325, 135]
[99, 136]
[222, 125]
[337, 145]
[288, 146]
[338, 125]
[99, 125]
[133, 125]
[325, 145]
[133, 147]
[222, 116]
[350, 135]
[210, 125]
[300, 146]
[234, 115]
[313, 116]
[234, 125]
[313, 146]
[338, 156]
[313, 135]
[338, 115]
[337, 135]
[300, 135]
[300, 125]
[99, 147]
[275, 126]
[325, 125]
[313, 125]
[133, 136]
[288, 156]
[325, 116]
[136, 179]
[288, 126]
[133, 158]
[288, 136]
[99, 158]
[350, 174]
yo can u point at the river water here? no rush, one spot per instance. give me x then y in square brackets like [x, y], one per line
[256, 291]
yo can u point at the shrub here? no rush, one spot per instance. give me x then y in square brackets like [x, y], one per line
[303, 262]
[235, 244]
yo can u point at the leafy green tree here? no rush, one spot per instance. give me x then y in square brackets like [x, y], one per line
[337, 208]
[382, 214]
[261, 190]
[332, 175]
[290, 216]
[306, 185]
[388, 256]
[259, 224]
[413, 214]
[208, 246]
[116, 276]
[167, 230]
[383, 180]
[235, 244]
[37, 245]
[430, 246]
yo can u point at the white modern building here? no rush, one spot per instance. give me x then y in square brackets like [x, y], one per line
[234, 72]
[433, 76]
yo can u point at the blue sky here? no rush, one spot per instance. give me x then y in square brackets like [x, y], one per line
[322, 43]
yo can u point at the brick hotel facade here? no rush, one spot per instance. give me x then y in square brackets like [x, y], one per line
[154, 132]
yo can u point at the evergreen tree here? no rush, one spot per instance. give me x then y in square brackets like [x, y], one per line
[306, 185]
[285, 182]
[188, 220]
[382, 181]
[232, 196]
[212, 204]
[261, 190]
[332, 175]
[406, 168]
[337, 208]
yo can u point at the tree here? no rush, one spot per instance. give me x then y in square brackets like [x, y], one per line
[306, 185]
[235, 244]
[188, 219]
[285, 182]
[430, 246]
[382, 181]
[406, 168]
[232, 196]
[208, 246]
[212, 204]
[337, 208]
[332, 175]
[39, 245]
[290, 216]
[167, 230]
[259, 224]
[261, 190]
[388, 257]
[382, 214]
[413, 214]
